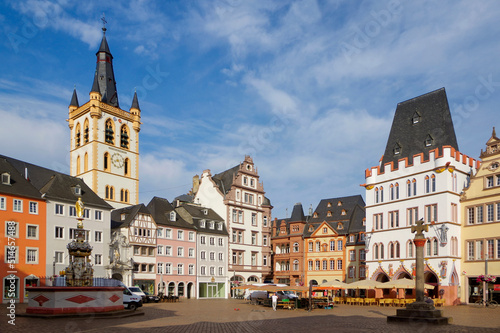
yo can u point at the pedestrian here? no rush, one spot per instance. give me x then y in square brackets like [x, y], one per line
[275, 300]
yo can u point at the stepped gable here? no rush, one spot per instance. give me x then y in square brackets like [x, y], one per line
[342, 209]
[56, 185]
[420, 125]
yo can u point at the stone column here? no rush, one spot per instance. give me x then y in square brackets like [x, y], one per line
[419, 244]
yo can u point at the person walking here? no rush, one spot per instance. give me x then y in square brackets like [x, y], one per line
[274, 298]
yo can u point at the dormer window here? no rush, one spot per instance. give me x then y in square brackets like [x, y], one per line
[415, 119]
[311, 228]
[219, 226]
[364, 222]
[172, 216]
[396, 149]
[329, 204]
[328, 213]
[123, 216]
[340, 226]
[325, 230]
[429, 141]
[211, 224]
[77, 190]
[343, 212]
[202, 224]
[6, 178]
[315, 214]
[339, 203]
[205, 212]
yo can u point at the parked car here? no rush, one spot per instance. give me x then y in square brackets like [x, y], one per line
[151, 298]
[130, 300]
[138, 291]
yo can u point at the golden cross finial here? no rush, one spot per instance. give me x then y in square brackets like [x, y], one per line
[419, 228]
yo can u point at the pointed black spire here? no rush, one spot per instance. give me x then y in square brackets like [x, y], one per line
[135, 102]
[74, 99]
[104, 80]
[297, 213]
[95, 84]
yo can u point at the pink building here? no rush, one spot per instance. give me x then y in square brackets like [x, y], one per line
[175, 252]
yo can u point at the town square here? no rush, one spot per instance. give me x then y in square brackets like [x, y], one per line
[253, 166]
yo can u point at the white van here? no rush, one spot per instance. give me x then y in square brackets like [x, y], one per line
[130, 300]
[138, 291]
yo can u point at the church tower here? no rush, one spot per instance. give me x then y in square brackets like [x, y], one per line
[104, 138]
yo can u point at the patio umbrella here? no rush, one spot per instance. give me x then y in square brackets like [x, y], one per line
[365, 284]
[404, 283]
[334, 284]
[294, 288]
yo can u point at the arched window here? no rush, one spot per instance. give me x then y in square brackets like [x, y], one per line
[78, 165]
[318, 247]
[295, 247]
[391, 193]
[433, 183]
[391, 250]
[124, 138]
[409, 248]
[376, 195]
[295, 265]
[408, 188]
[106, 161]
[126, 167]
[435, 247]
[397, 190]
[86, 131]
[381, 251]
[381, 194]
[278, 266]
[122, 195]
[109, 133]
[427, 184]
[375, 251]
[414, 181]
[110, 191]
[86, 162]
[397, 250]
[428, 247]
[77, 135]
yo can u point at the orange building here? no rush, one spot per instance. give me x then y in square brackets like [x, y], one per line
[335, 224]
[23, 234]
[288, 248]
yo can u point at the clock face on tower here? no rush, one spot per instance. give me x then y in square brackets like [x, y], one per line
[117, 160]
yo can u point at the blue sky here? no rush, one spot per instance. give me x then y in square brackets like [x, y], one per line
[307, 88]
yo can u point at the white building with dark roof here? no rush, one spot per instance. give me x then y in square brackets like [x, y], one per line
[238, 196]
[420, 176]
[61, 192]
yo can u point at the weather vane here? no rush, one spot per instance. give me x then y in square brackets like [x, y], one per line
[103, 19]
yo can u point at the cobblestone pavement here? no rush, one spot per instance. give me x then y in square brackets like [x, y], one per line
[238, 316]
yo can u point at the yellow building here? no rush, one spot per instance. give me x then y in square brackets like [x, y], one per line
[104, 148]
[480, 204]
[325, 253]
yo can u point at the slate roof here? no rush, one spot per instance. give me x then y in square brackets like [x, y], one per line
[18, 186]
[56, 185]
[74, 99]
[160, 209]
[354, 214]
[197, 214]
[130, 213]
[297, 216]
[135, 102]
[105, 77]
[434, 122]
[224, 180]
